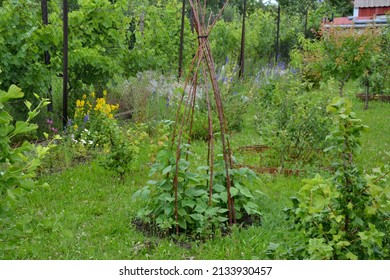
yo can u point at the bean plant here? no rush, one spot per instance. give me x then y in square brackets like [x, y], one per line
[201, 212]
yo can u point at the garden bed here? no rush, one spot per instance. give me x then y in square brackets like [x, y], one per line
[374, 97]
[272, 170]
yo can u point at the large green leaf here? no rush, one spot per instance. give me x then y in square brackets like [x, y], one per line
[23, 127]
[5, 118]
[13, 93]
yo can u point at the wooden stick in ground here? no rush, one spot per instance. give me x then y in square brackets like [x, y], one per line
[210, 152]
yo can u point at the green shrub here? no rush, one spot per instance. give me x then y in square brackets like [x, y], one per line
[18, 164]
[292, 121]
[201, 211]
[345, 216]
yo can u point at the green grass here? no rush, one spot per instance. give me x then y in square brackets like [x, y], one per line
[86, 213]
[376, 140]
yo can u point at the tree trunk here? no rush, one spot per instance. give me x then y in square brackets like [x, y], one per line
[242, 54]
[366, 96]
[277, 36]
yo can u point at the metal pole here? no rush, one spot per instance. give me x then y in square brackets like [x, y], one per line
[45, 21]
[181, 40]
[277, 36]
[65, 65]
[242, 54]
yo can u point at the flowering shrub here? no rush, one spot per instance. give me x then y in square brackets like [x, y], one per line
[87, 126]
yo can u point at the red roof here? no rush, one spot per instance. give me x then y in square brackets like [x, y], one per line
[347, 20]
[341, 21]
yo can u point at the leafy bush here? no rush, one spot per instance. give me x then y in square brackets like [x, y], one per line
[157, 38]
[18, 163]
[123, 147]
[308, 59]
[292, 121]
[89, 126]
[345, 216]
[201, 211]
[348, 52]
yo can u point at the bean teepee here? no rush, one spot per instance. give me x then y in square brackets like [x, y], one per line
[202, 66]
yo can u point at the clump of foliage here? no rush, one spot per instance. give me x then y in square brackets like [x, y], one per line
[375, 77]
[202, 211]
[345, 216]
[88, 126]
[123, 147]
[157, 37]
[342, 54]
[292, 121]
[94, 128]
[22, 45]
[308, 60]
[18, 162]
[348, 52]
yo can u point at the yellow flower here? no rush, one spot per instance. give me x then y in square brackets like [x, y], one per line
[84, 96]
[92, 94]
[75, 127]
[104, 92]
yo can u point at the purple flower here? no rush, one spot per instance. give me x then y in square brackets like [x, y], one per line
[86, 118]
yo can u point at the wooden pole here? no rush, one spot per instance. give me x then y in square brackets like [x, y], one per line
[65, 65]
[242, 54]
[277, 36]
[181, 40]
[45, 21]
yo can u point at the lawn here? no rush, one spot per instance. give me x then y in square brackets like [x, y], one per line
[87, 213]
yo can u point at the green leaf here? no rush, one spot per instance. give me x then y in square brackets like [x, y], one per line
[183, 223]
[197, 217]
[13, 93]
[23, 127]
[28, 104]
[244, 191]
[188, 203]
[152, 182]
[233, 191]
[27, 185]
[167, 169]
[201, 207]
[193, 192]
[222, 219]
[218, 188]
[351, 256]
[192, 177]
[223, 196]
[5, 118]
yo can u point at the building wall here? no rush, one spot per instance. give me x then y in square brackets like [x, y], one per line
[368, 12]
